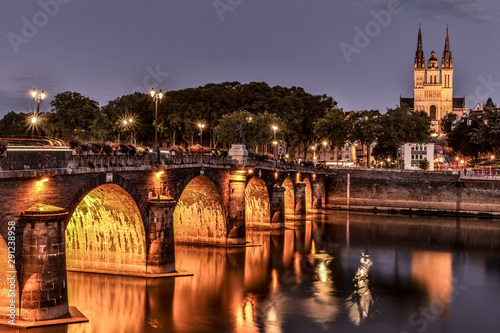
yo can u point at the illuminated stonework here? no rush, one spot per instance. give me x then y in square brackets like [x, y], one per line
[258, 210]
[289, 198]
[106, 232]
[308, 194]
[198, 216]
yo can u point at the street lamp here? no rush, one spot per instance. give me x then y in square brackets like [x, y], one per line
[157, 96]
[275, 128]
[38, 98]
[201, 126]
[324, 156]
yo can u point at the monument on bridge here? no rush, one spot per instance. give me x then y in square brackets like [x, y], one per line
[238, 149]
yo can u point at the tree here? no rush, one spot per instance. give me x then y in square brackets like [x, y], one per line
[487, 134]
[140, 108]
[460, 141]
[257, 128]
[333, 128]
[73, 115]
[399, 126]
[447, 121]
[365, 129]
[14, 125]
[424, 164]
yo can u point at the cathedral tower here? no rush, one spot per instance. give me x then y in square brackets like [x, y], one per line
[433, 85]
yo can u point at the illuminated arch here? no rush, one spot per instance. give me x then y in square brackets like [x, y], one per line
[257, 204]
[308, 194]
[5, 284]
[289, 197]
[198, 215]
[106, 232]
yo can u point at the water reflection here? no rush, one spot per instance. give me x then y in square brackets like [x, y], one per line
[314, 279]
[360, 304]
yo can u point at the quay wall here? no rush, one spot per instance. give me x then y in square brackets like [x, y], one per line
[413, 192]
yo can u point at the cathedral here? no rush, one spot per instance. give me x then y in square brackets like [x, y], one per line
[433, 85]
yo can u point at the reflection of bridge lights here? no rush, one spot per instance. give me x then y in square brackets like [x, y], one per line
[275, 282]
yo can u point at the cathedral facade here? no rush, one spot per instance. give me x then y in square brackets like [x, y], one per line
[433, 85]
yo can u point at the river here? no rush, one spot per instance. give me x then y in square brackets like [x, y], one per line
[335, 272]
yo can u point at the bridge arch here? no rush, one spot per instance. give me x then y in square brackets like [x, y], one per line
[257, 202]
[106, 230]
[289, 197]
[308, 194]
[199, 215]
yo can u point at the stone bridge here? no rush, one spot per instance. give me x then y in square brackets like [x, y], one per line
[122, 214]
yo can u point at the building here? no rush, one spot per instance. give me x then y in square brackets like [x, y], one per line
[433, 85]
[479, 114]
[413, 153]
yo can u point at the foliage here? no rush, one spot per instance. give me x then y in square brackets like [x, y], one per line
[333, 128]
[397, 127]
[138, 106]
[3, 146]
[178, 150]
[15, 125]
[447, 121]
[460, 141]
[487, 135]
[196, 149]
[365, 129]
[72, 114]
[424, 164]
[257, 129]
[261, 157]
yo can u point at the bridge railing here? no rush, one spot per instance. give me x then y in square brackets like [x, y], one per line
[44, 159]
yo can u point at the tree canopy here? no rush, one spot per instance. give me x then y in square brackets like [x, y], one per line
[73, 114]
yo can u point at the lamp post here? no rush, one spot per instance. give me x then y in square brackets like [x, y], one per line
[157, 96]
[38, 98]
[128, 124]
[201, 127]
[275, 128]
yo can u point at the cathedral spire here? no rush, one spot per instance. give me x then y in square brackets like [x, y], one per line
[419, 55]
[447, 61]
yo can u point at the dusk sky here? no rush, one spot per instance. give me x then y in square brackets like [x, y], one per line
[106, 49]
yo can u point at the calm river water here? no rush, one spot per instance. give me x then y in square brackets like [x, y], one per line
[336, 272]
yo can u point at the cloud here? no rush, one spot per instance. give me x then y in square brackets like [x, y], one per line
[476, 11]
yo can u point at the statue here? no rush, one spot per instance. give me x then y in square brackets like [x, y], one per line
[240, 137]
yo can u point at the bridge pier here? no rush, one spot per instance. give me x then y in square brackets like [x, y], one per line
[278, 207]
[236, 218]
[317, 197]
[300, 201]
[44, 293]
[160, 241]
